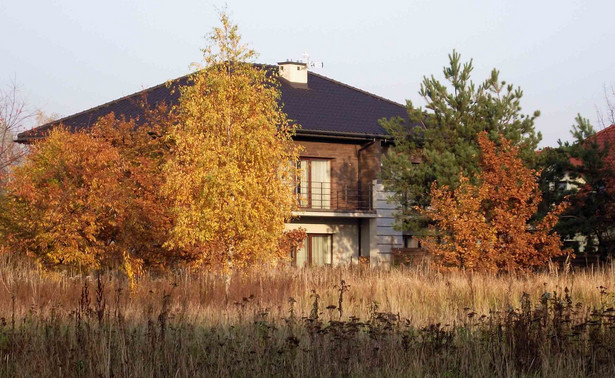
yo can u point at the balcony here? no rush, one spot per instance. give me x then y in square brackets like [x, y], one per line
[332, 196]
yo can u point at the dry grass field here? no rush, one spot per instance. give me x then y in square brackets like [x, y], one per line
[349, 321]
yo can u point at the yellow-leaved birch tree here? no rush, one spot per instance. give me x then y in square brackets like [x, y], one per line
[233, 161]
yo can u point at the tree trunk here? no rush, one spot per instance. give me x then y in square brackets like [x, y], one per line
[228, 275]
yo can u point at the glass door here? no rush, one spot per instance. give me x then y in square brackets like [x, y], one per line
[302, 257]
[321, 184]
[315, 251]
[321, 250]
[314, 186]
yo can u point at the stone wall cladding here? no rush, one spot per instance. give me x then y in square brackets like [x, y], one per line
[387, 237]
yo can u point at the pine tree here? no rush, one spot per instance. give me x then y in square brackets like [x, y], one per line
[441, 141]
[581, 172]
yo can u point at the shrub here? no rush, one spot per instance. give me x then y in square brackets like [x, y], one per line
[485, 226]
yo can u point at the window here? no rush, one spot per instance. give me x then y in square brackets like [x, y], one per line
[314, 189]
[316, 251]
[411, 242]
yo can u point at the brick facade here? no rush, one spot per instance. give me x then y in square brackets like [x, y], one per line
[354, 166]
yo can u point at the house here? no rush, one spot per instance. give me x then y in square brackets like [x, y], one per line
[573, 183]
[342, 206]
[603, 232]
[606, 138]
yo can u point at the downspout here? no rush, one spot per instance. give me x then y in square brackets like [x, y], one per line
[360, 221]
[363, 146]
[360, 225]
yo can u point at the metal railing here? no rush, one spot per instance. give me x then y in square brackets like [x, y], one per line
[318, 195]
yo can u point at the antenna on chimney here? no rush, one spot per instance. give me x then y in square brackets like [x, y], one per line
[311, 63]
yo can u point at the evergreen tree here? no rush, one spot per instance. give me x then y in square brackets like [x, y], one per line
[580, 171]
[440, 142]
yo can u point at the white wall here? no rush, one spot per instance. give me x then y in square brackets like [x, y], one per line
[344, 234]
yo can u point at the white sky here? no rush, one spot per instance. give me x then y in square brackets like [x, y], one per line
[71, 55]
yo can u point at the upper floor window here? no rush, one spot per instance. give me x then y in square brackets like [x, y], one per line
[314, 187]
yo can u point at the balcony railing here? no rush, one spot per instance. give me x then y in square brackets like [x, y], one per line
[316, 195]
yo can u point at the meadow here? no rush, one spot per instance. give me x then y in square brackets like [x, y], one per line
[344, 321]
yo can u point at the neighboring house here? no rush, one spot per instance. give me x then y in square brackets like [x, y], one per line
[605, 137]
[342, 206]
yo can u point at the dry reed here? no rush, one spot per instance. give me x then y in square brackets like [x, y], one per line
[330, 322]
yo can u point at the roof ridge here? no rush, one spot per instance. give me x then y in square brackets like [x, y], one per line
[356, 89]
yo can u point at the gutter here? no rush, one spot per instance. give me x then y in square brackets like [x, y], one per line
[27, 140]
[300, 132]
[342, 134]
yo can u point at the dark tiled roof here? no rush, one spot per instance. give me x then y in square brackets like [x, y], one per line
[327, 107]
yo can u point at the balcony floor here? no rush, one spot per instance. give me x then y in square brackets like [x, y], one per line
[332, 213]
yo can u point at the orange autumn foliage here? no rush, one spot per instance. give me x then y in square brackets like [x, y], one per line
[291, 241]
[90, 199]
[486, 227]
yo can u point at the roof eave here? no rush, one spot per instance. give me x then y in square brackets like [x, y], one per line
[313, 133]
[343, 134]
[28, 139]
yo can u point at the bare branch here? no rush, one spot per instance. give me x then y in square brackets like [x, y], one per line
[607, 118]
[14, 114]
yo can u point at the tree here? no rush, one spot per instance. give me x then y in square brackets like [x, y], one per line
[229, 175]
[90, 200]
[14, 113]
[292, 241]
[484, 226]
[557, 180]
[585, 169]
[606, 117]
[440, 142]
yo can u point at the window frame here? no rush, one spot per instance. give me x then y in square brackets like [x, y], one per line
[407, 239]
[308, 244]
[310, 204]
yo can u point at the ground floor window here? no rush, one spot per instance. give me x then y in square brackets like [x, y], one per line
[411, 241]
[316, 251]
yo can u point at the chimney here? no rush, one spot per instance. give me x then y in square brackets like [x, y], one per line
[295, 73]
